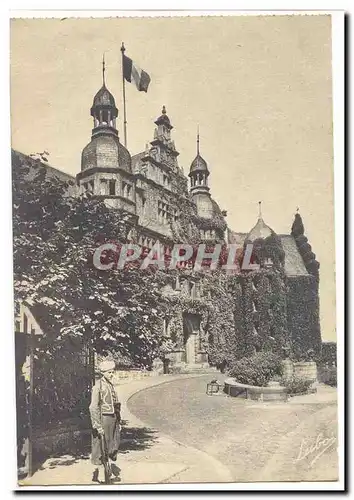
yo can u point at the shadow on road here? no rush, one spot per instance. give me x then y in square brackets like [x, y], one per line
[136, 438]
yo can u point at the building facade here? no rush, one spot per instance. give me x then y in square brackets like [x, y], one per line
[277, 304]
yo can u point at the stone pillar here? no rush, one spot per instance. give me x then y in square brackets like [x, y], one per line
[288, 369]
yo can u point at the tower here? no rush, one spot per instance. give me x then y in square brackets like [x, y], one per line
[211, 220]
[162, 146]
[303, 297]
[106, 169]
[199, 174]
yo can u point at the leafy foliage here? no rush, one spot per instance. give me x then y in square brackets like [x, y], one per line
[327, 374]
[303, 314]
[256, 370]
[296, 385]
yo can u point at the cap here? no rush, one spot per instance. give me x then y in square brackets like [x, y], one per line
[105, 366]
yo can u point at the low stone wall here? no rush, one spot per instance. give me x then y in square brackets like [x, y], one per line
[272, 393]
[122, 376]
[306, 370]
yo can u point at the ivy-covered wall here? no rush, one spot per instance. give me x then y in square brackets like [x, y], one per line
[303, 315]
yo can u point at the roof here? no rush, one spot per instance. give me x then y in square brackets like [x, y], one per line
[136, 160]
[293, 264]
[104, 98]
[198, 165]
[105, 151]
[260, 230]
[164, 119]
[50, 171]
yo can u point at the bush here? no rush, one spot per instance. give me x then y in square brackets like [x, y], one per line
[296, 386]
[327, 375]
[256, 370]
[332, 379]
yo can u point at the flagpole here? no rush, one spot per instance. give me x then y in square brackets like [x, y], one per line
[124, 103]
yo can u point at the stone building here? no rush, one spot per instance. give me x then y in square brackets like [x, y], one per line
[167, 207]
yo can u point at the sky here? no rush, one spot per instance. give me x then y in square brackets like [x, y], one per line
[258, 87]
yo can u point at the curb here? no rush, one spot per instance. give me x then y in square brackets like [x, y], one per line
[222, 470]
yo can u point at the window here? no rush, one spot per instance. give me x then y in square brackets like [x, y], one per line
[166, 327]
[165, 180]
[104, 117]
[176, 214]
[162, 211]
[126, 189]
[103, 186]
[92, 186]
[112, 187]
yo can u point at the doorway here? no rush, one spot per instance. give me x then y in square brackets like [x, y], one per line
[191, 330]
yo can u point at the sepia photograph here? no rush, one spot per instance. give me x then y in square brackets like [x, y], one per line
[174, 252]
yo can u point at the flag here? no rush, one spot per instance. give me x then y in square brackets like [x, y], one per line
[132, 72]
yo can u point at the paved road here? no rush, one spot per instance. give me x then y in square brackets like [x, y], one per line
[257, 442]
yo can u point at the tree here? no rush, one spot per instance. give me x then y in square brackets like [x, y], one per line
[55, 235]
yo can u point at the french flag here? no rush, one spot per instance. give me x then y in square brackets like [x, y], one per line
[132, 72]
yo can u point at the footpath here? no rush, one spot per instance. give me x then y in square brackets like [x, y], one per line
[146, 456]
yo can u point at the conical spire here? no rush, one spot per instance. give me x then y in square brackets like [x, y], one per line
[103, 109]
[297, 228]
[199, 164]
[261, 229]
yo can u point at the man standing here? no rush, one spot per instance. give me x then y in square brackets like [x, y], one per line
[105, 419]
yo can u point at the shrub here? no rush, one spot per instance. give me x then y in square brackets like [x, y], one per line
[296, 385]
[256, 370]
[328, 375]
[332, 378]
